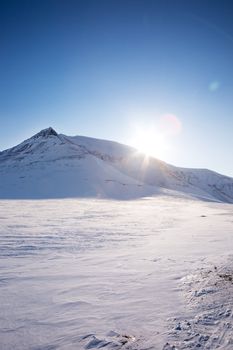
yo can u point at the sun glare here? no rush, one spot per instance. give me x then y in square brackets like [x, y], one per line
[150, 142]
[155, 140]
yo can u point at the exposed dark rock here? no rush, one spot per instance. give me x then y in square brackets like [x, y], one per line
[46, 133]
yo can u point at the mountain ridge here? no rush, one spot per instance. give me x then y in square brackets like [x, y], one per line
[52, 165]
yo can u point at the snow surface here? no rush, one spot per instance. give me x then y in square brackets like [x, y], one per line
[152, 273]
[49, 165]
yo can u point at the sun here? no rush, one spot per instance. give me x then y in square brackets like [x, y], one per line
[150, 141]
[156, 138]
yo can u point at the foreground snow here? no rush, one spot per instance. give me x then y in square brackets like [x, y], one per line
[145, 274]
[209, 294]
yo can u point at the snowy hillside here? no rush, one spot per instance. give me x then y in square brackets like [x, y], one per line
[51, 165]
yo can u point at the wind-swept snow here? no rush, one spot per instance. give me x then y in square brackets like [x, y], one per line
[101, 274]
[209, 300]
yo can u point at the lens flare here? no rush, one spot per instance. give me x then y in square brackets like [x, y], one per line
[214, 86]
[170, 124]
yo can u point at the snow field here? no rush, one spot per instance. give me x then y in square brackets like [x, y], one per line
[92, 274]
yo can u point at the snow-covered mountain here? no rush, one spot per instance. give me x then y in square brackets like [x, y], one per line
[51, 165]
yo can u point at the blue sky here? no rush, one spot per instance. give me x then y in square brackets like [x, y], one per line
[105, 68]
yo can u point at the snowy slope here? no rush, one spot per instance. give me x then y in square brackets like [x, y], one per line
[151, 171]
[51, 165]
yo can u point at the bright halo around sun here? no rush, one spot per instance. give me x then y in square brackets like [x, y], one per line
[155, 140]
[150, 142]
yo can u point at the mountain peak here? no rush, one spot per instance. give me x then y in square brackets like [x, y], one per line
[46, 133]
